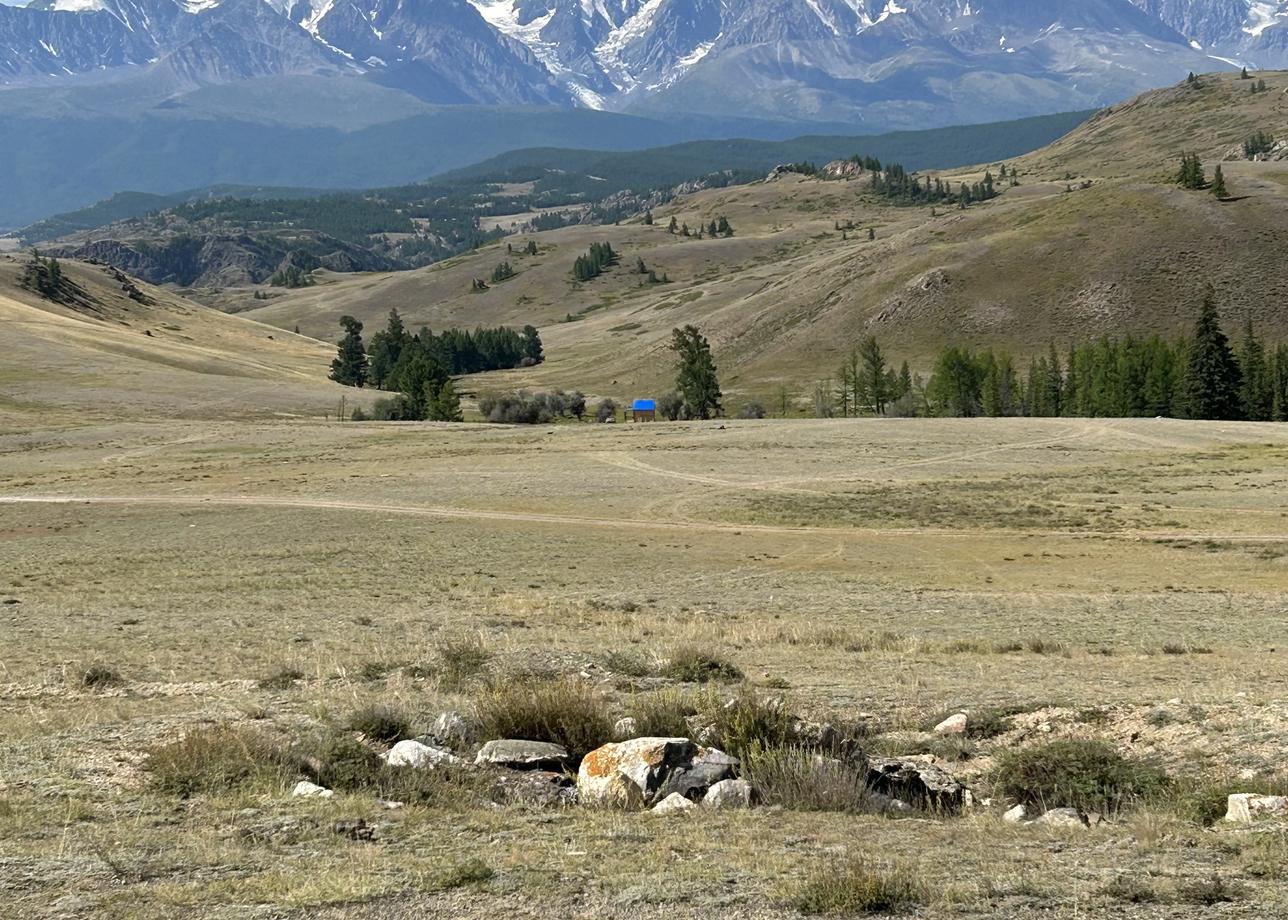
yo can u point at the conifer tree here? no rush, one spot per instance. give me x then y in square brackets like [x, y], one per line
[1210, 387]
[350, 365]
[1256, 393]
[873, 369]
[1218, 183]
[696, 378]
[673, 226]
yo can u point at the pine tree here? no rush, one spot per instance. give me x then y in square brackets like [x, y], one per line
[441, 402]
[1210, 387]
[532, 349]
[648, 218]
[872, 234]
[1191, 173]
[696, 378]
[1243, 74]
[875, 384]
[724, 228]
[1279, 384]
[1218, 183]
[673, 226]
[350, 365]
[1256, 393]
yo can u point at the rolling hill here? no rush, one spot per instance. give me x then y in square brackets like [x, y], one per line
[107, 354]
[1095, 239]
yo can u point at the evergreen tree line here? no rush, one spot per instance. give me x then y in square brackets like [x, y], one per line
[897, 185]
[591, 265]
[1200, 377]
[420, 367]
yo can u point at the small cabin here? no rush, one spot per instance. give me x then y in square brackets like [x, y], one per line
[644, 410]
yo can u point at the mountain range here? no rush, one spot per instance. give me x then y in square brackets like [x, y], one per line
[889, 62]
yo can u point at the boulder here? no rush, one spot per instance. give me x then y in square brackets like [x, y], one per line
[311, 790]
[452, 729]
[916, 781]
[1246, 807]
[708, 767]
[619, 793]
[522, 755]
[729, 794]
[1062, 817]
[540, 788]
[414, 754]
[673, 804]
[953, 725]
[645, 762]
[625, 729]
[1017, 815]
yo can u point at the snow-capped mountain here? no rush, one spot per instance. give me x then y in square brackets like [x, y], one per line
[888, 62]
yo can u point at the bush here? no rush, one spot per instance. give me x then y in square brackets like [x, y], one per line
[1204, 801]
[752, 409]
[628, 662]
[747, 722]
[521, 408]
[663, 713]
[700, 666]
[606, 412]
[803, 780]
[283, 678]
[858, 887]
[217, 759]
[671, 406]
[1087, 775]
[381, 722]
[472, 873]
[390, 409]
[340, 761]
[1130, 890]
[98, 676]
[561, 710]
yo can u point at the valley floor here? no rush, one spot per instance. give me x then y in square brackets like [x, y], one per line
[1126, 580]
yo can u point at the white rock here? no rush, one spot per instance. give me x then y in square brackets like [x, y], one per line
[953, 725]
[1246, 807]
[625, 728]
[673, 804]
[311, 790]
[411, 753]
[1061, 817]
[1016, 815]
[452, 728]
[645, 762]
[729, 793]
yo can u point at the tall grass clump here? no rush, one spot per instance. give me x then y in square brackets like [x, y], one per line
[857, 886]
[461, 661]
[700, 666]
[803, 780]
[384, 722]
[663, 713]
[559, 710]
[218, 759]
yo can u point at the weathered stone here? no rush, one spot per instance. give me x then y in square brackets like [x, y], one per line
[916, 781]
[619, 793]
[1062, 817]
[728, 794]
[311, 790]
[673, 804]
[625, 729]
[1246, 807]
[1017, 815]
[522, 755]
[646, 762]
[452, 729]
[953, 725]
[541, 788]
[414, 754]
[821, 735]
[708, 767]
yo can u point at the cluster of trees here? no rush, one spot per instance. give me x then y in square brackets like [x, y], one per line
[717, 227]
[1200, 377]
[591, 265]
[503, 272]
[897, 185]
[291, 276]
[1258, 86]
[420, 367]
[44, 276]
[1258, 144]
[1192, 176]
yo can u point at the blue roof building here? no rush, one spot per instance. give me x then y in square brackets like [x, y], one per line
[644, 410]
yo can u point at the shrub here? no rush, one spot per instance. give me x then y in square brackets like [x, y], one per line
[283, 678]
[663, 713]
[1204, 801]
[700, 666]
[391, 409]
[628, 662]
[381, 722]
[217, 759]
[339, 761]
[98, 676]
[472, 873]
[803, 780]
[606, 412]
[457, 788]
[752, 409]
[560, 710]
[858, 887]
[1130, 890]
[1209, 892]
[747, 722]
[670, 406]
[1087, 775]
[461, 660]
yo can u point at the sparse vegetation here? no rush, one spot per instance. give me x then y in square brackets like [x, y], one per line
[562, 711]
[215, 760]
[1087, 775]
[858, 886]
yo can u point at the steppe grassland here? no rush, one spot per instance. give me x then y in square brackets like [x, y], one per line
[1091, 573]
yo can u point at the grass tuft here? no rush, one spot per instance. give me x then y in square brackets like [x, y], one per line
[559, 710]
[802, 780]
[218, 759]
[473, 873]
[382, 722]
[461, 661]
[283, 678]
[859, 887]
[664, 713]
[99, 676]
[700, 666]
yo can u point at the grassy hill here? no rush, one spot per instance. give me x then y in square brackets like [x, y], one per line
[105, 354]
[1095, 240]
